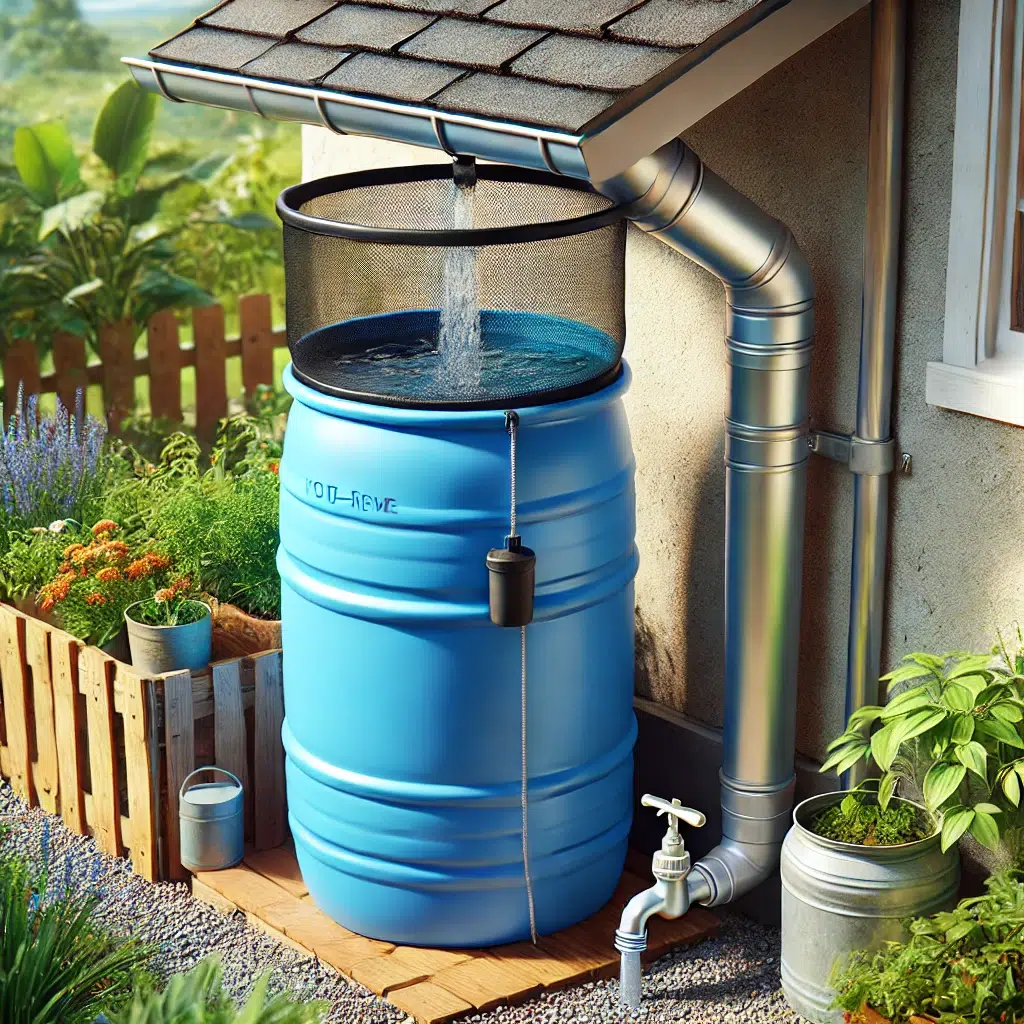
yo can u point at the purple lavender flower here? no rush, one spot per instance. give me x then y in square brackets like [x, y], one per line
[48, 466]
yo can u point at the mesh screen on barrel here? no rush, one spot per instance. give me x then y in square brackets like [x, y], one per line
[330, 280]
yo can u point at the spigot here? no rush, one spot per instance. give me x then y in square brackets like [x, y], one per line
[669, 896]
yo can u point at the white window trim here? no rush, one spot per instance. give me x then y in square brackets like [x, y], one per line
[982, 367]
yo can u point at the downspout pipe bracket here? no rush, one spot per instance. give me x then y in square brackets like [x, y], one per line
[868, 458]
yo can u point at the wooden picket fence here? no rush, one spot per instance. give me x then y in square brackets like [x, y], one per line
[85, 737]
[119, 366]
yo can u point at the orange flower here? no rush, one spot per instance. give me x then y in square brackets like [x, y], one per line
[70, 550]
[95, 599]
[104, 526]
[156, 561]
[138, 570]
[65, 567]
[273, 467]
[46, 605]
[109, 574]
[116, 550]
[163, 595]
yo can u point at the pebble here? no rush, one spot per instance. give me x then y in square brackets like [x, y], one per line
[730, 979]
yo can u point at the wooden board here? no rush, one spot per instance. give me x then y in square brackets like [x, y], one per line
[211, 374]
[96, 681]
[435, 985]
[69, 368]
[16, 702]
[21, 365]
[272, 819]
[117, 350]
[164, 366]
[257, 337]
[45, 772]
[64, 665]
[229, 727]
[139, 769]
[179, 739]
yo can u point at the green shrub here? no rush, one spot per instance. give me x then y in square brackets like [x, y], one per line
[56, 963]
[199, 998]
[961, 967]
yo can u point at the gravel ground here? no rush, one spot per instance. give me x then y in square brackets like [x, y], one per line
[732, 979]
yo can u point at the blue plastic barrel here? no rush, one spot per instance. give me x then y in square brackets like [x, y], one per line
[402, 699]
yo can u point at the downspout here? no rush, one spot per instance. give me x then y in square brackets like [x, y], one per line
[769, 330]
[877, 347]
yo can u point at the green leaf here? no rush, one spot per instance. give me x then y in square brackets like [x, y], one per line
[120, 137]
[863, 716]
[252, 221]
[974, 683]
[1011, 788]
[911, 700]
[1007, 713]
[998, 730]
[942, 781]
[844, 740]
[45, 160]
[958, 697]
[955, 822]
[985, 830]
[209, 167]
[960, 930]
[969, 665]
[71, 214]
[988, 808]
[844, 759]
[920, 722]
[885, 744]
[160, 289]
[974, 757]
[905, 673]
[963, 729]
[849, 804]
[83, 289]
[886, 787]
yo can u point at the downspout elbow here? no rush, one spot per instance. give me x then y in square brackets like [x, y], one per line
[733, 868]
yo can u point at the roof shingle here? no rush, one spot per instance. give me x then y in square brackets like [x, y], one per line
[374, 28]
[519, 99]
[213, 47]
[583, 18]
[266, 19]
[678, 22]
[473, 43]
[411, 80]
[296, 62]
[592, 63]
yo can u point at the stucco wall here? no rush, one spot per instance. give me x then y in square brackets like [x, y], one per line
[795, 142]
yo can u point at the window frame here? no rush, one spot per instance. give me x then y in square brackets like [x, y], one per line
[982, 367]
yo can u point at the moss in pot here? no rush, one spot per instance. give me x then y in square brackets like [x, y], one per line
[858, 819]
[169, 632]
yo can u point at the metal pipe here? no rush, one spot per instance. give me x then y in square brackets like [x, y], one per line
[769, 329]
[877, 348]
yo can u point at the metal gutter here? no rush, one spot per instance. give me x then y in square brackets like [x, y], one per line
[349, 114]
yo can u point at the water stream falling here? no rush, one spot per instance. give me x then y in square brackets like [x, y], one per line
[460, 352]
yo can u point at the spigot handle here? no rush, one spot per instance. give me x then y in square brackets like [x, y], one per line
[675, 810]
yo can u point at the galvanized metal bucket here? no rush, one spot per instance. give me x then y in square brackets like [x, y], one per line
[838, 898]
[211, 822]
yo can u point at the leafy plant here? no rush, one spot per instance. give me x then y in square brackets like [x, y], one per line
[49, 468]
[859, 820]
[198, 997]
[32, 558]
[98, 580]
[56, 962]
[103, 251]
[953, 727]
[51, 35]
[961, 967]
[169, 607]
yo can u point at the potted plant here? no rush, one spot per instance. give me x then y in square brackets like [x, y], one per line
[169, 631]
[99, 577]
[852, 871]
[951, 736]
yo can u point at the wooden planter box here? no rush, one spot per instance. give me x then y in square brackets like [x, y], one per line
[85, 737]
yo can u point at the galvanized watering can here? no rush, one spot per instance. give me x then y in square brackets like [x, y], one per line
[210, 816]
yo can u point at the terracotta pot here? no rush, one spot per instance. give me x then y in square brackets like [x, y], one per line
[27, 606]
[236, 633]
